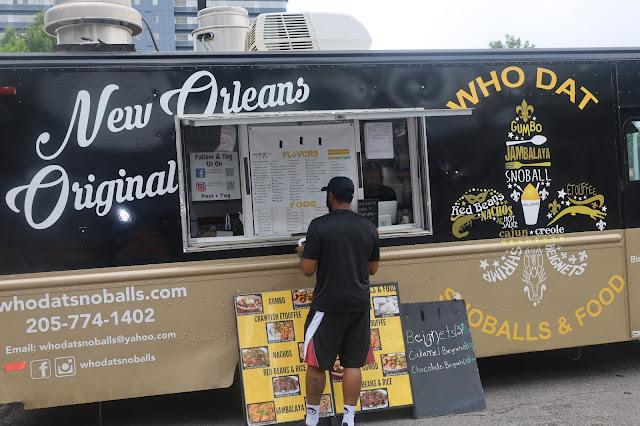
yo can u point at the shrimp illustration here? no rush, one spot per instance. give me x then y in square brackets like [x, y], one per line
[534, 275]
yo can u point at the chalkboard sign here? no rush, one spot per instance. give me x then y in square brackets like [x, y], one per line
[369, 209]
[441, 360]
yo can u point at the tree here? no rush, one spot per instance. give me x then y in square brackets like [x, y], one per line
[33, 40]
[511, 42]
[37, 40]
[13, 41]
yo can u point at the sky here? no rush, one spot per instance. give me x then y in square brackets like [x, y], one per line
[468, 24]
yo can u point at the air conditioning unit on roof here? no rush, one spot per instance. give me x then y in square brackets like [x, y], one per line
[306, 31]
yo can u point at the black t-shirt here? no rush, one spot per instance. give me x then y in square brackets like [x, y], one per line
[343, 243]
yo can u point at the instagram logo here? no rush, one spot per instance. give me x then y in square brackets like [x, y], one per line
[201, 186]
[65, 366]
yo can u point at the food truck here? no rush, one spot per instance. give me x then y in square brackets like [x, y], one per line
[142, 192]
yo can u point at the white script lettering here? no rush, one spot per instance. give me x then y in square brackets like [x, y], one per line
[237, 100]
[159, 183]
[83, 108]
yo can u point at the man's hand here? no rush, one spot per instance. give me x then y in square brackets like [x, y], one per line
[299, 250]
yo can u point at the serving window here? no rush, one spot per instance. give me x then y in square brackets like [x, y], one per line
[250, 180]
[632, 132]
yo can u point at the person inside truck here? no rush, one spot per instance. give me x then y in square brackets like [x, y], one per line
[373, 187]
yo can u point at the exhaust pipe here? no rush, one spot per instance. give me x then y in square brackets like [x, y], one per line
[93, 25]
[221, 29]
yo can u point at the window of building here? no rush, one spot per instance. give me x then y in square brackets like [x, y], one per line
[155, 2]
[156, 36]
[156, 18]
[136, 2]
[186, 20]
[248, 4]
[186, 3]
[184, 37]
[254, 179]
[25, 19]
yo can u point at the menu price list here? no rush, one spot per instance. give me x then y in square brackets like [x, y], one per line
[289, 166]
[385, 382]
[271, 342]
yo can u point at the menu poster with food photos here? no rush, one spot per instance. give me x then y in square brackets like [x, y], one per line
[385, 383]
[271, 342]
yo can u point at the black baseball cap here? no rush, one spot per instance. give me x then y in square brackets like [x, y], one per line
[340, 186]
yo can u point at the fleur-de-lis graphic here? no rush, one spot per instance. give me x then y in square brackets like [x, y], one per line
[524, 111]
[555, 207]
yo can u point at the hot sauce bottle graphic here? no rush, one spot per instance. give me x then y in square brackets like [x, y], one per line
[530, 204]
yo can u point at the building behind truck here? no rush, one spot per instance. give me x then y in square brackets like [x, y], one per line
[172, 22]
[143, 192]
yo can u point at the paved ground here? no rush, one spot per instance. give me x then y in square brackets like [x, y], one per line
[602, 388]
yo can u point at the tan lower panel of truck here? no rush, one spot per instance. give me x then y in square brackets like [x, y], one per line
[116, 333]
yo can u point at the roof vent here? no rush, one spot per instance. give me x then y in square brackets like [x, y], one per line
[306, 31]
[93, 23]
[221, 28]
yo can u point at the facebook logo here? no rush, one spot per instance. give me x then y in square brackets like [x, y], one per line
[40, 369]
[200, 173]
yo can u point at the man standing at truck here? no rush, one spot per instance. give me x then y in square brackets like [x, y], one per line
[343, 248]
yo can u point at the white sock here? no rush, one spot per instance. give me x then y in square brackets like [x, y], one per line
[349, 415]
[313, 415]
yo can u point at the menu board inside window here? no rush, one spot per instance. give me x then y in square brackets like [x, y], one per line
[289, 166]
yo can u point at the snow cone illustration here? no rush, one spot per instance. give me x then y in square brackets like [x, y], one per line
[530, 204]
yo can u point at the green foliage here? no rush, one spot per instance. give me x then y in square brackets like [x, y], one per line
[511, 42]
[33, 40]
[12, 41]
[36, 39]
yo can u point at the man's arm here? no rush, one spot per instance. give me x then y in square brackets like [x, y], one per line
[373, 267]
[310, 252]
[374, 257]
[308, 266]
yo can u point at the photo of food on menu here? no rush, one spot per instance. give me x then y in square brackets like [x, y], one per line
[249, 304]
[374, 399]
[385, 306]
[286, 386]
[376, 344]
[302, 298]
[280, 331]
[337, 371]
[326, 407]
[255, 357]
[393, 364]
[261, 412]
